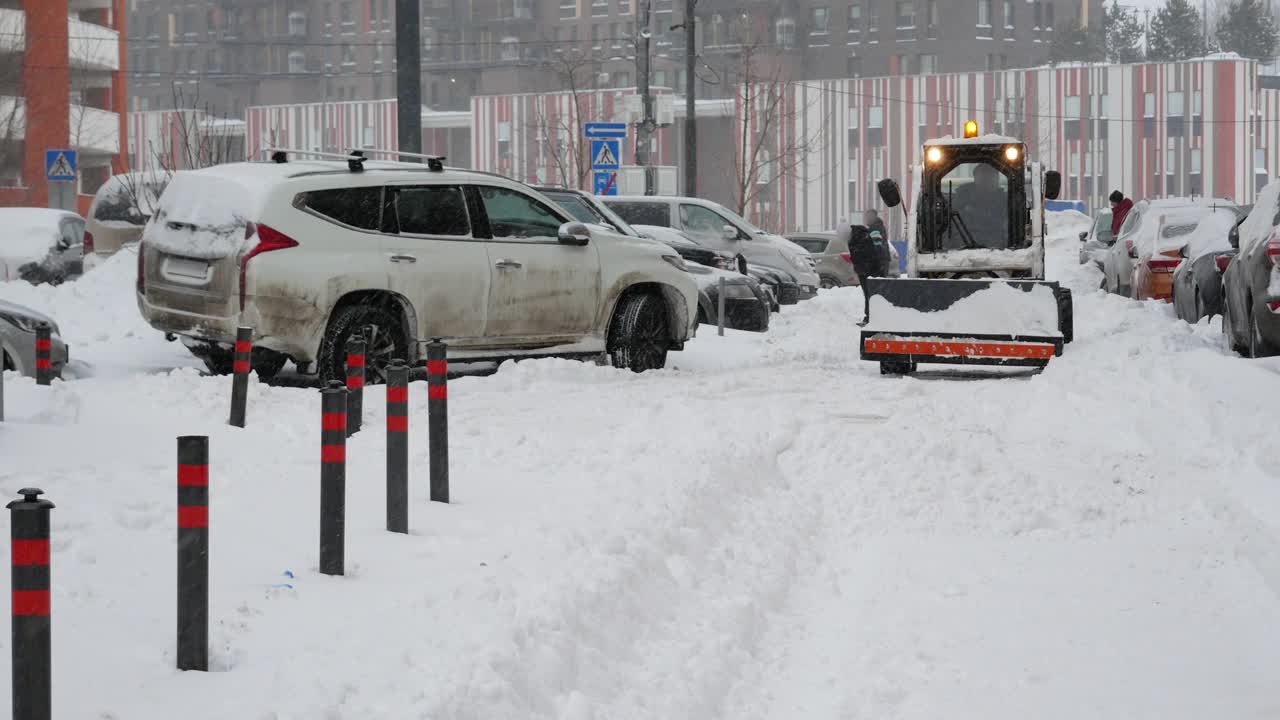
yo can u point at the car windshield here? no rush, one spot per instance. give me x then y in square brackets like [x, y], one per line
[1103, 223]
[975, 208]
[642, 213]
[584, 209]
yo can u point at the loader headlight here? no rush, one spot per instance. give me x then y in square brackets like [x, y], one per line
[934, 155]
[1011, 153]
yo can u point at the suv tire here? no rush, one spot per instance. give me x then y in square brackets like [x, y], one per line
[638, 336]
[389, 343]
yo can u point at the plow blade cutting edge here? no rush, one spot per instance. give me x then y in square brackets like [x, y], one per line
[968, 322]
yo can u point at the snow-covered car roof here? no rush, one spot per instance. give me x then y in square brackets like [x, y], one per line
[1210, 235]
[1170, 228]
[1258, 225]
[29, 233]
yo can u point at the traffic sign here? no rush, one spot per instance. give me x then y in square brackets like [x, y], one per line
[605, 154]
[605, 130]
[605, 182]
[60, 165]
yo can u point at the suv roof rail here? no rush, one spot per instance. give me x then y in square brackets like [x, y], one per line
[435, 163]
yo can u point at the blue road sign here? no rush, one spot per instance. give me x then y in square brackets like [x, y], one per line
[605, 130]
[60, 165]
[605, 182]
[605, 154]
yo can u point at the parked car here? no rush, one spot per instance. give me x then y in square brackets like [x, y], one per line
[1095, 241]
[718, 227]
[1139, 231]
[119, 212]
[747, 304]
[1159, 253]
[1251, 283]
[311, 252]
[1197, 283]
[831, 257]
[41, 245]
[18, 340]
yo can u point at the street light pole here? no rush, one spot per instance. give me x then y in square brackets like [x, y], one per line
[690, 115]
[644, 130]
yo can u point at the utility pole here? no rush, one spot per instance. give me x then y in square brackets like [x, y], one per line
[644, 130]
[408, 76]
[690, 115]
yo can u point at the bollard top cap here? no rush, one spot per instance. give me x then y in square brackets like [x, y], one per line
[334, 385]
[30, 497]
[396, 362]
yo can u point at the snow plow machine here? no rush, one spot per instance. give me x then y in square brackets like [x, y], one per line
[974, 291]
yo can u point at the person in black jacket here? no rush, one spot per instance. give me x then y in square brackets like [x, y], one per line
[869, 251]
[872, 220]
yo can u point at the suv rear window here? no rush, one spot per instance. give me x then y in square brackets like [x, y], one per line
[813, 245]
[643, 213]
[358, 207]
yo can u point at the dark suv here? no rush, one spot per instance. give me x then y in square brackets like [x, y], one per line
[1251, 284]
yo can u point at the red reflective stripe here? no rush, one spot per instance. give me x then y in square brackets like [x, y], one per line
[355, 382]
[42, 344]
[244, 346]
[193, 475]
[241, 367]
[31, 602]
[397, 423]
[437, 392]
[333, 453]
[30, 552]
[193, 516]
[355, 361]
[333, 421]
[967, 348]
[42, 364]
[397, 394]
[437, 367]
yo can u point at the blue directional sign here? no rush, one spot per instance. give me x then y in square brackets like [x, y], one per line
[605, 154]
[605, 130]
[60, 165]
[605, 182]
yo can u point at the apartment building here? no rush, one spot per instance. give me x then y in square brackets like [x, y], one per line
[62, 85]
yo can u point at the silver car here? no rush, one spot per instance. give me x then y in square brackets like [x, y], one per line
[18, 340]
[830, 255]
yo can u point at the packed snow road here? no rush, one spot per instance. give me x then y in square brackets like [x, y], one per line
[770, 529]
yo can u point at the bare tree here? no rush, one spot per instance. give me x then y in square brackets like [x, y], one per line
[562, 137]
[769, 143]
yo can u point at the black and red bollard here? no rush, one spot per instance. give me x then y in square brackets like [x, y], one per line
[44, 354]
[240, 378]
[398, 447]
[438, 418]
[333, 477]
[32, 655]
[193, 553]
[355, 384]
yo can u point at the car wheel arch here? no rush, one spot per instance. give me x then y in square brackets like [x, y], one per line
[391, 301]
[672, 300]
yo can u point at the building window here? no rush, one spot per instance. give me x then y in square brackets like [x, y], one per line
[297, 23]
[1149, 114]
[875, 117]
[785, 32]
[873, 23]
[1071, 117]
[568, 9]
[855, 21]
[820, 19]
[1197, 119]
[297, 62]
[1039, 15]
[903, 63]
[599, 8]
[348, 19]
[1048, 16]
[984, 13]
[906, 14]
[510, 48]
[624, 7]
[931, 19]
[1175, 104]
[1195, 161]
[853, 66]
[1008, 14]
[928, 64]
[348, 54]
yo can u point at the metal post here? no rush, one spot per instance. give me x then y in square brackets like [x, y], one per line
[44, 348]
[193, 552]
[720, 300]
[644, 131]
[355, 384]
[409, 76]
[398, 447]
[690, 115]
[333, 477]
[438, 418]
[32, 655]
[240, 375]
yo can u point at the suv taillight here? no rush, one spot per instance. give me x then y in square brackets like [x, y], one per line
[142, 268]
[847, 257]
[1163, 265]
[1273, 249]
[1223, 262]
[268, 239]
[88, 242]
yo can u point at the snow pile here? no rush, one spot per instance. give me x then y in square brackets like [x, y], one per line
[985, 258]
[1000, 309]
[1210, 235]
[27, 236]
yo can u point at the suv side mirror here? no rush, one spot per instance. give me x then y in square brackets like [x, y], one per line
[890, 195]
[1052, 184]
[742, 264]
[729, 232]
[574, 233]
[1084, 236]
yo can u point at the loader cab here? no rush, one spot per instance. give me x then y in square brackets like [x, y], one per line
[973, 196]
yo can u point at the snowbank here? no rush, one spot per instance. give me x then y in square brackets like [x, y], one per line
[1000, 309]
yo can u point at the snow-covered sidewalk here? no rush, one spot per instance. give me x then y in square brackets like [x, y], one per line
[770, 529]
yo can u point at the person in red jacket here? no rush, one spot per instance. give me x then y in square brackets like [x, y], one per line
[1120, 207]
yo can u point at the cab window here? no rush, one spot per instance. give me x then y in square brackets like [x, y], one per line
[515, 216]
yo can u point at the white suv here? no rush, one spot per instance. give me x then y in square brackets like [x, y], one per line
[310, 252]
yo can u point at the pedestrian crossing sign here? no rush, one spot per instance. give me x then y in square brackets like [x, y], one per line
[604, 154]
[60, 165]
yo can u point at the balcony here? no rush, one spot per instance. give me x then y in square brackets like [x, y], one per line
[92, 46]
[93, 131]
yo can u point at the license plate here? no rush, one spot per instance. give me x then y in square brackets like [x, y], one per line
[186, 267]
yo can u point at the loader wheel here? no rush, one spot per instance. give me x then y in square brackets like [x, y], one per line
[897, 367]
[1066, 315]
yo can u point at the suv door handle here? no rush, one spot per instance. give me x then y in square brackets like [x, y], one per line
[506, 264]
[403, 259]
